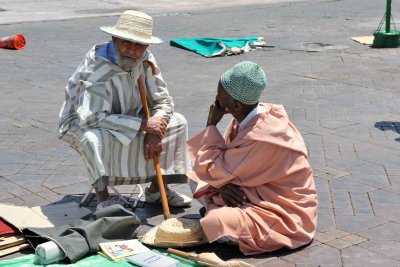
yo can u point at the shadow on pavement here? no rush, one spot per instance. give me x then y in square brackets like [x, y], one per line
[151, 215]
[389, 126]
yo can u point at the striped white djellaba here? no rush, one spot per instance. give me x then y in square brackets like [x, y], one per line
[102, 114]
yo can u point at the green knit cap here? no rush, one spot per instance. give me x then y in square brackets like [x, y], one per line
[244, 82]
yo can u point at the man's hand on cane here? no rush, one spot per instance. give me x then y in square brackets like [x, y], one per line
[155, 125]
[155, 129]
[152, 146]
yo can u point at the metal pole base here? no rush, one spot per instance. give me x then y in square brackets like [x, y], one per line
[383, 39]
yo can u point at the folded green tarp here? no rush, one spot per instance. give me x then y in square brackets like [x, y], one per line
[210, 46]
[83, 236]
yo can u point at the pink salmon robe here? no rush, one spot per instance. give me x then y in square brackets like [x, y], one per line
[268, 160]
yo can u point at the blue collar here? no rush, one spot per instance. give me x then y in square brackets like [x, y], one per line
[107, 51]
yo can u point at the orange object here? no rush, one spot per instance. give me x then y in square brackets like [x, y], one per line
[205, 191]
[156, 162]
[13, 42]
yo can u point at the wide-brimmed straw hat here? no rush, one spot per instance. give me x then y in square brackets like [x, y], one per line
[134, 26]
[175, 233]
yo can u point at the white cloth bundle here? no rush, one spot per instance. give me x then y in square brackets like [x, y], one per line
[48, 252]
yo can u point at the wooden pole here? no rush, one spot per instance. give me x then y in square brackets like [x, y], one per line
[179, 253]
[183, 254]
[156, 161]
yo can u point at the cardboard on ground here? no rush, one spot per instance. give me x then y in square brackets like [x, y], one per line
[366, 40]
[42, 216]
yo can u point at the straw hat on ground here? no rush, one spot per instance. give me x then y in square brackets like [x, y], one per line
[133, 26]
[175, 233]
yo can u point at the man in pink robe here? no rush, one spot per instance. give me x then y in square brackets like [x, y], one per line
[259, 186]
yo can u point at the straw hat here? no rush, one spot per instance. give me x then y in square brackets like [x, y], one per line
[175, 232]
[134, 26]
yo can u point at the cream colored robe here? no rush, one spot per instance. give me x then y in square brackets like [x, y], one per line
[101, 118]
[268, 160]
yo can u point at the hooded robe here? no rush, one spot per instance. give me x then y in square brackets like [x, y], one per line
[267, 159]
[102, 114]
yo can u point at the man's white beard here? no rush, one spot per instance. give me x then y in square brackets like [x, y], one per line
[127, 64]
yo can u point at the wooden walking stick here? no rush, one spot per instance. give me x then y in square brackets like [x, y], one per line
[156, 161]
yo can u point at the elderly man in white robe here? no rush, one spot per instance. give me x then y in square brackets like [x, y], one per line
[102, 116]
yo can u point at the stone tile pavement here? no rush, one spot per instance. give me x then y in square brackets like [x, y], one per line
[343, 96]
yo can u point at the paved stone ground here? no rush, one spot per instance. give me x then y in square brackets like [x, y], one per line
[20, 11]
[343, 96]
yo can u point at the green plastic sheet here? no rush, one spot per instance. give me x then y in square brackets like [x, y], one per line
[94, 260]
[208, 46]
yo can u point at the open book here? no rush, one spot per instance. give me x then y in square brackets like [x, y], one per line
[121, 249]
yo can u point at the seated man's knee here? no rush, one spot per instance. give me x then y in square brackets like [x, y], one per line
[180, 120]
[228, 216]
